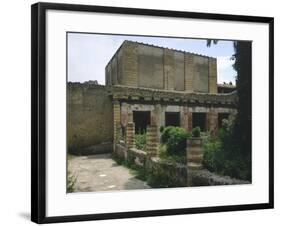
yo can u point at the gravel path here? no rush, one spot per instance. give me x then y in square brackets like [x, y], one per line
[101, 173]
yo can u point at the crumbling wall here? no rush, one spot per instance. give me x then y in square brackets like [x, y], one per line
[89, 119]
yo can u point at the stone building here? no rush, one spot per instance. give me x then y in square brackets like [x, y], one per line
[147, 87]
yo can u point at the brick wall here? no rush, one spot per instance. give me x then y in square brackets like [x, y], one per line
[213, 75]
[140, 65]
[169, 70]
[89, 117]
[130, 64]
[189, 72]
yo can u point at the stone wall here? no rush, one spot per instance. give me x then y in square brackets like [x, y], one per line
[213, 75]
[96, 114]
[171, 174]
[201, 74]
[169, 69]
[189, 72]
[129, 64]
[148, 66]
[163, 173]
[133, 156]
[157, 114]
[89, 119]
[166, 174]
[206, 178]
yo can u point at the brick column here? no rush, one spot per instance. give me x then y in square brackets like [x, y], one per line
[130, 135]
[130, 64]
[190, 126]
[184, 118]
[189, 72]
[194, 157]
[158, 113]
[116, 121]
[212, 121]
[169, 69]
[213, 75]
[151, 140]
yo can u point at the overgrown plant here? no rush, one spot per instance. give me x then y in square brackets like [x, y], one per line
[240, 143]
[221, 155]
[140, 141]
[164, 155]
[196, 131]
[71, 181]
[175, 140]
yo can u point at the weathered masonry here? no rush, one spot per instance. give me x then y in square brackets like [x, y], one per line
[146, 87]
[146, 66]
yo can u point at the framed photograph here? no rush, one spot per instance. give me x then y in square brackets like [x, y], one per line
[140, 112]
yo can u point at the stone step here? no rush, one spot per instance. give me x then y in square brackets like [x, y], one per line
[195, 158]
[194, 142]
[194, 149]
[194, 166]
[194, 153]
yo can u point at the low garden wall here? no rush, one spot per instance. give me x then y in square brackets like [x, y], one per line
[166, 174]
[163, 173]
[206, 178]
[159, 173]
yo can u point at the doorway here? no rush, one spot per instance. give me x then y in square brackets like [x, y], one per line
[141, 120]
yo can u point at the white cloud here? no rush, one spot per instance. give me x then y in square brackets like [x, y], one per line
[224, 62]
[226, 73]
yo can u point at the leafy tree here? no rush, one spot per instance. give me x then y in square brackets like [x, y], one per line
[241, 138]
[242, 130]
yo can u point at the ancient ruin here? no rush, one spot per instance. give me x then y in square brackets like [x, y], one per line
[146, 87]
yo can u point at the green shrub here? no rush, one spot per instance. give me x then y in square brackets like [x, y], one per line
[196, 131]
[212, 158]
[224, 156]
[139, 172]
[71, 181]
[158, 179]
[175, 140]
[164, 155]
[140, 141]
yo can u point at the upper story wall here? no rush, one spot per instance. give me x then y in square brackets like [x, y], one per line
[147, 66]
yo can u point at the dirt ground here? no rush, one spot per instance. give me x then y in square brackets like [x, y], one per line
[101, 173]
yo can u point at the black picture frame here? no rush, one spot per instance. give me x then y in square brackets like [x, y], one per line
[38, 111]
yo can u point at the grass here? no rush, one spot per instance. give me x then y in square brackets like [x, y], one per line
[138, 172]
[71, 178]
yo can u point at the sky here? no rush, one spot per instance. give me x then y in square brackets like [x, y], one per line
[88, 54]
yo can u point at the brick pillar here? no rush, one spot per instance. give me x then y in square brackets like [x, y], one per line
[190, 126]
[158, 112]
[194, 154]
[130, 64]
[212, 121]
[189, 72]
[151, 140]
[169, 69]
[130, 135]
[184, 118]
[213, 75]
[116, 121]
